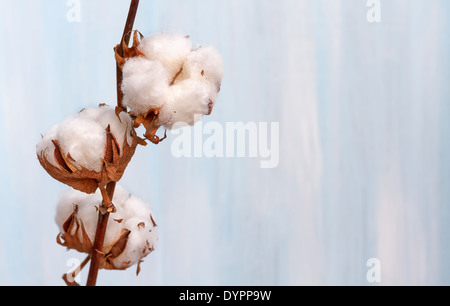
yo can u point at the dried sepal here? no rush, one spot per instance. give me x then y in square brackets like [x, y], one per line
[210, 107]
[128, 52]
[63, 162]
[150, 121]
[74, 234]
[153, 220]
[115, 251]
[138, 269]
[142, 142]
[83, 180]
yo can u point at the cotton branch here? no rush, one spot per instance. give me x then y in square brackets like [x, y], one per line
[125, 38]
[104, 216]
[99, 238]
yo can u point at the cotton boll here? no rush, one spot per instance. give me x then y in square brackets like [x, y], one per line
[183, 93]
[76, 151]
[169, 49]
[132, 216]
[144, 85]
[204, 64]
[187, 102]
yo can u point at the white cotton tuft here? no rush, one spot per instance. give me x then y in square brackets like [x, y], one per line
[132, 215]
[204, 63]
[187, 102]
[141, 242]
[134, 206]
[145, 84]
[105, 116]
[83, 137]
[168, 48]
[181, 83]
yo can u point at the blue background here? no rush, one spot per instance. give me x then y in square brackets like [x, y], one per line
[364, 141]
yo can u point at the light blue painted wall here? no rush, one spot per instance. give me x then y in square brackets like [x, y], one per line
[364, 141]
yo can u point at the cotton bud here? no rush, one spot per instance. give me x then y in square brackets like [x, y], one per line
[130, 234]
[167, 82]
[90, 149]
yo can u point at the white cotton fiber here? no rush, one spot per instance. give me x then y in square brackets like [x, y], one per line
[168, 48]
[145, 84]
[132, 214]
[83, 137]
[104, 116]
[141, 242]
[134, 206]
[187, 102]
[181, 83]
[85, 141]
[204, 64]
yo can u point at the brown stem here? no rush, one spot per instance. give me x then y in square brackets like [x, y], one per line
[125, 38]
[100, 233]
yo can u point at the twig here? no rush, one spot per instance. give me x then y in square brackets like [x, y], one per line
[100, 233]
[125, 38]
[102, 215]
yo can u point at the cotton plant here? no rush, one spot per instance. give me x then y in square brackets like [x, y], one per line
[164, 80]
